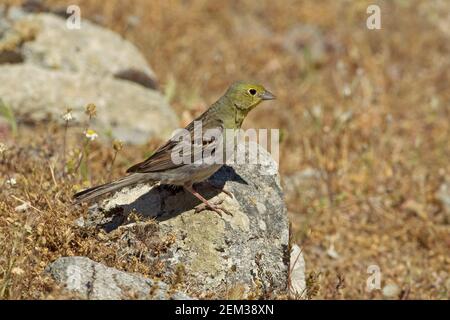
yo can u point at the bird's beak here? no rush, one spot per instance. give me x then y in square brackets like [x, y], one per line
[266, 95]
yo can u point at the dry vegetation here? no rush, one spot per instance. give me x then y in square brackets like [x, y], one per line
[371, 113]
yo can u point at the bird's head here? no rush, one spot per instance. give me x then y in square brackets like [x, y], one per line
[245, 96]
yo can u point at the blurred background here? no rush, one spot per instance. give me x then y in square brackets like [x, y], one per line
[364, 118]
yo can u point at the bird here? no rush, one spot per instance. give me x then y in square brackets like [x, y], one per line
[226, 114]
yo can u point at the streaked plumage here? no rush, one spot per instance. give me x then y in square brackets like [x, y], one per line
[226, 113]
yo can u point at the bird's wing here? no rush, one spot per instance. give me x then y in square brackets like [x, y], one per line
[162, 160]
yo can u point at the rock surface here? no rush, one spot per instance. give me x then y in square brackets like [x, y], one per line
[247, 251]
[90, 49]
[46, 68]
[131, 112]
[92, 280]
[302, 184]
[308, 42]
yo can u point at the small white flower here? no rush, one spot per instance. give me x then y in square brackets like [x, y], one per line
[91, 134]
[11, 182]
[332, 253]
[67, 116]
[3, 148]
[347, 91]
[17, 271]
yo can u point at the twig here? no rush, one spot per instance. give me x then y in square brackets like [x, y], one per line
[52, 172]
[112, 165]
[64, 148]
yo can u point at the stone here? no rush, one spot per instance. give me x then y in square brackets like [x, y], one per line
[91, 49]
[217, 253]
[391, 290]
[309, 44]
[95, 281]
[45, 68]
[79, 222]
[304, 184]
[128, 111]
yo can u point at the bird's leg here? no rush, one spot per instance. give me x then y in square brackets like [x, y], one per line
[214, 208]
[212, 185]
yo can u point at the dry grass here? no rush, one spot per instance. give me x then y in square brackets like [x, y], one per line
[371, 115]
[44, 230]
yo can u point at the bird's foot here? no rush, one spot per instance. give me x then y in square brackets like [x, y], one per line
[206, 203]
[214, 207]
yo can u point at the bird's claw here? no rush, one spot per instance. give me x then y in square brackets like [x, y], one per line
[228, 193]
[212, 207]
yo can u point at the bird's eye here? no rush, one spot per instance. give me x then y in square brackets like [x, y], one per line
[252, 92]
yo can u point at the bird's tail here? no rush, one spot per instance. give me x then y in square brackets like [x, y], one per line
[95, 192]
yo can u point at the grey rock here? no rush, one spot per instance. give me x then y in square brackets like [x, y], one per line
[308, 43]
[95, 281]
[391, 290]
[128, 111]
[247, 23]
[4, 25]
[91, 49]
[303, 184]
[55, 68]
[15, 13]
[248, 250]
[79, 222]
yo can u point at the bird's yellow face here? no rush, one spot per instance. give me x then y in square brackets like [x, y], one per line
[246, 96]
